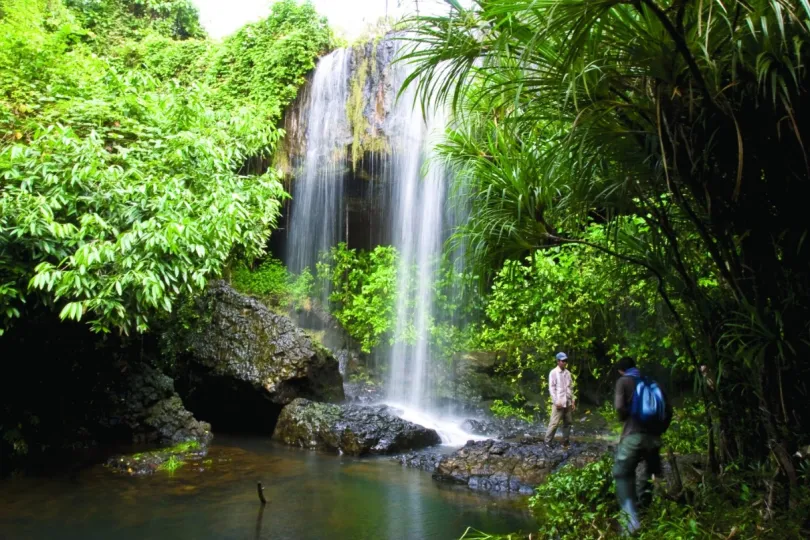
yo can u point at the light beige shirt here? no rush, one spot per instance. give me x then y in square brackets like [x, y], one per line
[561, 388]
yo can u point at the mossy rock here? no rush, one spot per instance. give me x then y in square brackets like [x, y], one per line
[248, 362]
[166, 460]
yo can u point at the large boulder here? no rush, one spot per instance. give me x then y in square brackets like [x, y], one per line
[246, 362]
[510, 466]
[350, 429]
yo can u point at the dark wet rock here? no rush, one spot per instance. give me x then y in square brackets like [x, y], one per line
[351, 429]
[501, 466]
[163, 459]
[424, 460]
[145, 405]
[77, 395]
[246, 362]
[501, 428]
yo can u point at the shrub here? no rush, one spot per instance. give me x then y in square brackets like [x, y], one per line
[273, 283]
[577, 503]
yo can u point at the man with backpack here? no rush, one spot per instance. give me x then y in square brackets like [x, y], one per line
[646, 412]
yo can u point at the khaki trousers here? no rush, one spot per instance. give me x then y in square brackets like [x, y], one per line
[560, 414]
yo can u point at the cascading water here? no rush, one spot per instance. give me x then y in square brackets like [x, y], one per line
[418, 216]
[315, 223]
[419, 228]
[417, 234]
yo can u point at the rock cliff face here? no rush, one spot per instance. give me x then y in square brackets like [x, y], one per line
[245, 363]
[351, 429]
[363, 152]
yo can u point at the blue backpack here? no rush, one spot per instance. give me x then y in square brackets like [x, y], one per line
[648, 406]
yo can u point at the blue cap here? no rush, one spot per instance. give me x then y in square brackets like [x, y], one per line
[562, 356]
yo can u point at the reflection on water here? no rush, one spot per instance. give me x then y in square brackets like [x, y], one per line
[309, 496]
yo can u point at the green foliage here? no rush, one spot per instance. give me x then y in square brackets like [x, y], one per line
[172, 464]
[110, 19]
[580, 300]
[729, 506]
[678, 127]
[272, 282]
[188, 61]
[362, 375]
[185, 447]
[580, 503]
[688, 433]
[608, 412]
[266, 61]
[576, 502]
[363, 291]
[121, 189]
[504, 409]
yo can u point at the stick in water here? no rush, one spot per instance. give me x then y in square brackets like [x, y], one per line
[261, 493]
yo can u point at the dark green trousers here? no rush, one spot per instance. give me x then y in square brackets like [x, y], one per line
[632, 489]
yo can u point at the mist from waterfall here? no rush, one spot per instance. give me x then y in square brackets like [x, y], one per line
[317, 205]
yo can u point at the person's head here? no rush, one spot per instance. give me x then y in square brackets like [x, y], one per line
[624, 364]
[562, 360]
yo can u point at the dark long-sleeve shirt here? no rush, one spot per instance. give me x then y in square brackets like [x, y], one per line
[625, 388]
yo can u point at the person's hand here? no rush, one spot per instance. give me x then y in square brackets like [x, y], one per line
[573, 406]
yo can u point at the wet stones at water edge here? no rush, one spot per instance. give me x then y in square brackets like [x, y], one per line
[246, 362]
[516, 467]
[148, 406]
[501, 428]
[351, 429]
[425, 460]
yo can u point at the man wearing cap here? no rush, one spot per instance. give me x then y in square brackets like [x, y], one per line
[563, 404]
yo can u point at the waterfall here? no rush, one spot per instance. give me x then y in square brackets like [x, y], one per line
[417, 229]
[317, 209]
[421, 218]
[411, 202]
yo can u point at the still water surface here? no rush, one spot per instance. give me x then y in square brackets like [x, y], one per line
[309, 495]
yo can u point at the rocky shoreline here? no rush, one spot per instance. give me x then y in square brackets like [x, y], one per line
[501, 466]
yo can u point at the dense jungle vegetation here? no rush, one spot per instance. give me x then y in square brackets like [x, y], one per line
[125, 136]
[125, 142]
[635, 174]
